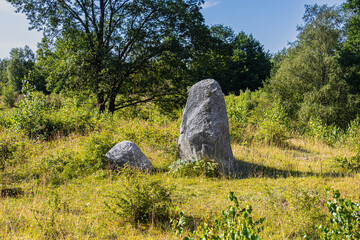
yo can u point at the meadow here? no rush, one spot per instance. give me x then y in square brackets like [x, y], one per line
[55, 183]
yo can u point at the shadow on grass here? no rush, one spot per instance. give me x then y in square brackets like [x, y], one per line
[11, 192]
[252, 170]
[290, 146]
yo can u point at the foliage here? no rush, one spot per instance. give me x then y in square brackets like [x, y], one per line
[350, 55]
[40, 118]
[3, 71]
[7, 148]
[142, 201]
[193, 168]
[236, 223]
[238, 108]
[8, 96]
[343, 219]
[351, 164]
[330, 134]
[114, 49]
[95, 148]
[310, 82]
[30, 117]
[60, 166]
[22, 61]
[236, 62]
[272, 128]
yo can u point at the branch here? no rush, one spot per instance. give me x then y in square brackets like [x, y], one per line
[72, 12]
[131, 43]
[131, 103]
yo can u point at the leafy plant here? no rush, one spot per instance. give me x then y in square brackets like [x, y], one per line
[236, 224]
[329, 134]
[8, 96]
[193, 167]
[351, 164]
[6, 151]
[95, 148]
[272, 128]
[344, 219]
[143, 201]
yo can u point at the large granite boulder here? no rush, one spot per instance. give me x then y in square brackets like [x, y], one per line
[204, 130]
[127, 152]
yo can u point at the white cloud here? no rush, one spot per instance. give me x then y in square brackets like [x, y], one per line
[6, 7]
[209, 4]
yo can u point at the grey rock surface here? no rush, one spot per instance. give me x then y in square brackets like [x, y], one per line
[204, 130]
[127, 152]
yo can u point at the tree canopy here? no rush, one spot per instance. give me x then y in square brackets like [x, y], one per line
[22, 60]
[310, 82]
[237, 62]
[108, 47]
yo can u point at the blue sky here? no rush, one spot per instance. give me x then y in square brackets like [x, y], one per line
[272, 22]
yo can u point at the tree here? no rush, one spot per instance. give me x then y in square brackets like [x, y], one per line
[109, 46]
[237, 62]
[22, 60]
[3, 73]
[350, 57]
[310, 82]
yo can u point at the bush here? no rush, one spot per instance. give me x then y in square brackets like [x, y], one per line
[95, 148]
[272, 128]
[60, 166]
[8, 96]
[329, 134]
[30, 116]
[42, 119]
[6, 152]
[350, 164]
[343, 220]
[236, 223]
[142, 201]
[193, 168]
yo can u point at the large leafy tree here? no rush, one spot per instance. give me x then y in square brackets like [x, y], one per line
[114, 47]
[350, 57]
[237, 62]
[310, 82]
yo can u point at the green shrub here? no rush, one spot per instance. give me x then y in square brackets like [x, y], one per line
[42, 119]
[142, 201]
[6, 118]
[8, 96]
[64, 164]
[193, 168]
[329, 134]
[273, 126]
[30, 115]
[349, 164]
[343, 220]
[7, 149]
[95, 148]
[236, 223]
[352, 135]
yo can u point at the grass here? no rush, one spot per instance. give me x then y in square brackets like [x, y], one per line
[58, 194]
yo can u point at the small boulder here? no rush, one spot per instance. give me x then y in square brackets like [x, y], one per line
[127, 152]
[204, 130]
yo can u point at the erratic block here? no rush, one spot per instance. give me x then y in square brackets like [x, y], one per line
[127, 152]
[204, 130]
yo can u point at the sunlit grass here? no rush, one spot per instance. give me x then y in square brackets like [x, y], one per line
[284, 183]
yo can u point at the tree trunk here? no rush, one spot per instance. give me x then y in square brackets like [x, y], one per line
[111, 108]
[101, 102]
